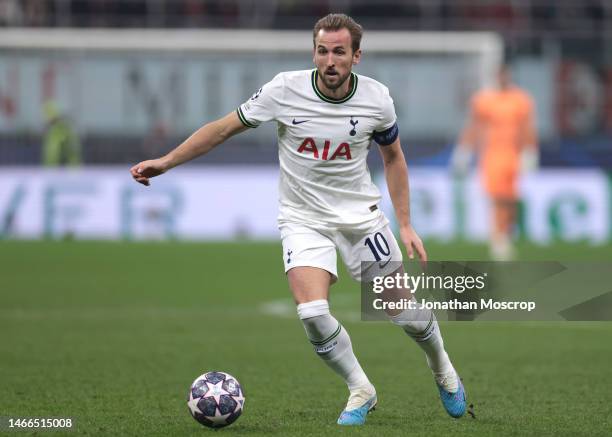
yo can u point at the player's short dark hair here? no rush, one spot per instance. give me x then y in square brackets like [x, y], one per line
[334, 22]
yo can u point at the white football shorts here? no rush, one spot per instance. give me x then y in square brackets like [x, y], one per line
[371, 251]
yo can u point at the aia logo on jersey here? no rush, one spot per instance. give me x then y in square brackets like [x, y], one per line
[342, 150]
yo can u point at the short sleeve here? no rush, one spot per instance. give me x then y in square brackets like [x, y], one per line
[388, 112]
[386, 131]
[263, 105]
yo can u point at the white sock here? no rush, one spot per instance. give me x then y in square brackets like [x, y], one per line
[332, 343]
[422, 326]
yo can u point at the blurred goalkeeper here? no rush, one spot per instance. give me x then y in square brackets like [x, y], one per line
[327, 118]
[501, 129]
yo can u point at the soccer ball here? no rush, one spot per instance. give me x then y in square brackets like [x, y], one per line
[215, 399]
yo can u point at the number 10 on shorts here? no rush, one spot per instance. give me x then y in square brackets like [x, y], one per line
[378, 245]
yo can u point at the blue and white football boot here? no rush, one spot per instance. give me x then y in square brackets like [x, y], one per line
[360, 403]
[454, 403]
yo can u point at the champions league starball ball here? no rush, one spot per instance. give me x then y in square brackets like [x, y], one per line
[215, 399]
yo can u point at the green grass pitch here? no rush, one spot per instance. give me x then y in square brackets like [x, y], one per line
[112, 334]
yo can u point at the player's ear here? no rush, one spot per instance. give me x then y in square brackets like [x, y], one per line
[356, 56]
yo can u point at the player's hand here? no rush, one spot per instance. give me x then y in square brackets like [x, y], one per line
[145, 170]
[413, 243]
[461, 160]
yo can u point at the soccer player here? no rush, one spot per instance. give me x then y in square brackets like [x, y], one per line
[326, 120]
[60, 143]
[500, 128]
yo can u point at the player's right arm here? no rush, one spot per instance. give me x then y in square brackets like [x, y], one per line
[199, 143]
[462, 155]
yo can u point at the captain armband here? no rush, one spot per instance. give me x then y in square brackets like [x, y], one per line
[387, 136]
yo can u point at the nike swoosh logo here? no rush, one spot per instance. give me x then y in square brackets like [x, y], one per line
[299, 122]
[383, 265]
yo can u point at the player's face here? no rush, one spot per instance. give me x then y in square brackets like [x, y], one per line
[334, 57]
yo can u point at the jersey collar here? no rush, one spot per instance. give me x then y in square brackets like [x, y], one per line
[319, 93]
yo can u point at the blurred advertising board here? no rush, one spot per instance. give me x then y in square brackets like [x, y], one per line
[119, 94]
[230, 202]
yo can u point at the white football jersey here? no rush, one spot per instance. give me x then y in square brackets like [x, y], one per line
[323, 144]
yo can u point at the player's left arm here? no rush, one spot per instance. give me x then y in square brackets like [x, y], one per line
[469, 139]
[396, 174]
[530, 136]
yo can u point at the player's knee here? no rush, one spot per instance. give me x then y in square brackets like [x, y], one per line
[309, 284]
